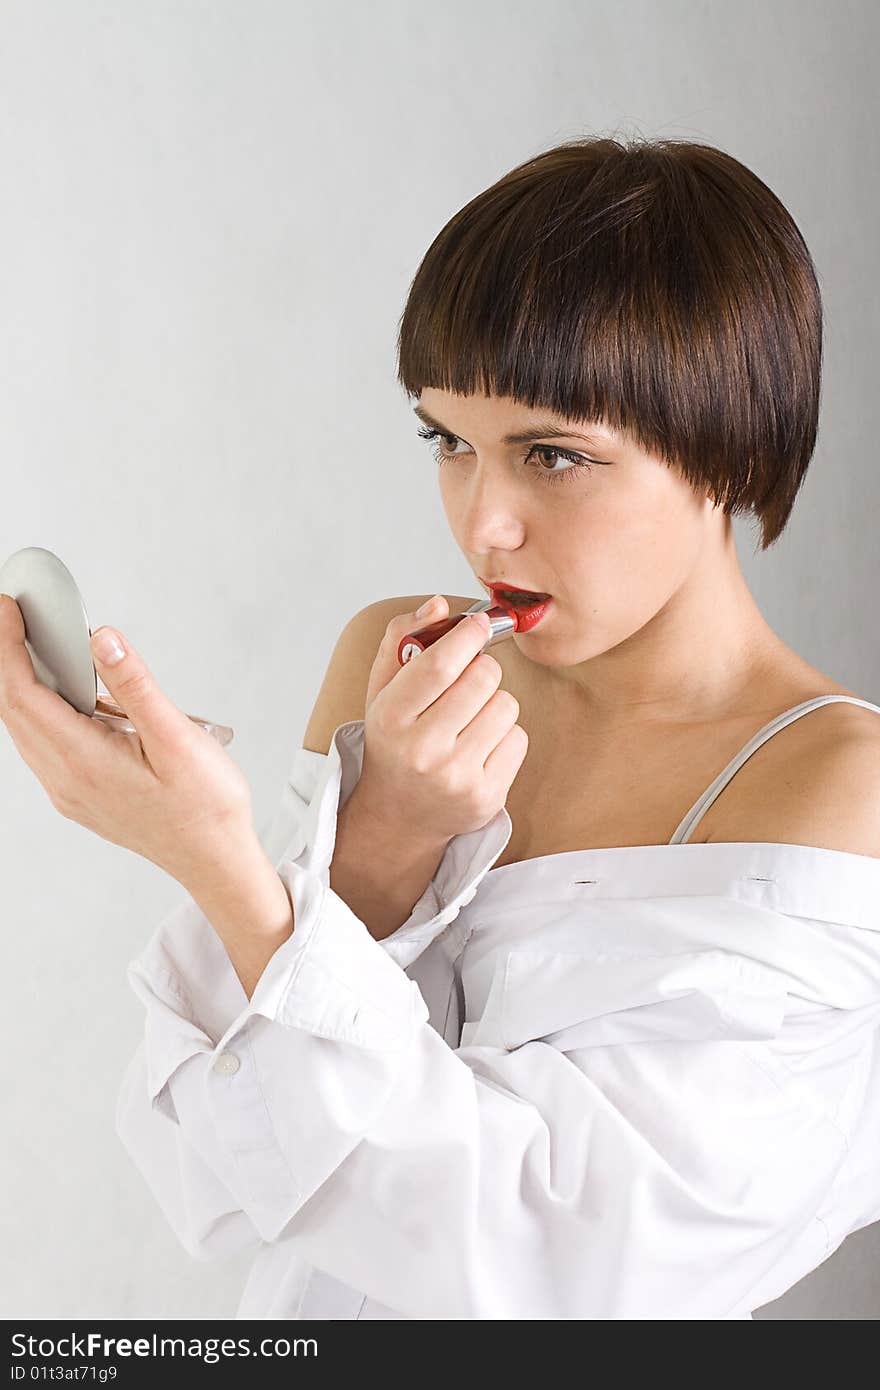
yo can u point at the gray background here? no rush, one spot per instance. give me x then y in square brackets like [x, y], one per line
[211, 213]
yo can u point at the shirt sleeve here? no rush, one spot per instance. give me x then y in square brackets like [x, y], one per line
[194, 995]
[562, 1162]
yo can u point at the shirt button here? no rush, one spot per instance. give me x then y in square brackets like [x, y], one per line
[227, 1064]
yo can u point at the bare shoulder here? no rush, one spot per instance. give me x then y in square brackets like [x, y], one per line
[843, 782]
[822, 788]
[343, 692]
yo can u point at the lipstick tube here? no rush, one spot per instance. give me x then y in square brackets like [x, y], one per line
[503, 624]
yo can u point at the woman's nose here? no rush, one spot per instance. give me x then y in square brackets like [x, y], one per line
[492, 514]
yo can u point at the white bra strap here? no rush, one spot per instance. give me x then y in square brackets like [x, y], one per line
[701, 806]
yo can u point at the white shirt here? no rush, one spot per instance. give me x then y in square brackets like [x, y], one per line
[635, 1083]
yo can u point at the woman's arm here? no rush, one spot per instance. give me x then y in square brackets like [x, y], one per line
[245, 902]
[379, 868]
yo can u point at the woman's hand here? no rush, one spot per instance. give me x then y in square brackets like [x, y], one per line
[441, 741]
[169, 792]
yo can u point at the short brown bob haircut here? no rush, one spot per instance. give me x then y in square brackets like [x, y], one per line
[659, 287]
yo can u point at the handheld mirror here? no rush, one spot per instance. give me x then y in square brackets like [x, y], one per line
[57, 637]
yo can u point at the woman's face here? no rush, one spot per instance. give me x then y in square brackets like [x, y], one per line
[611, 541]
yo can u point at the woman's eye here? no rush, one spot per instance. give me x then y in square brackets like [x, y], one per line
[436, 435]
[574, 463]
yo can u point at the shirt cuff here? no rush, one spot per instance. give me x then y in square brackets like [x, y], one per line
[330, 977]
[465, 862]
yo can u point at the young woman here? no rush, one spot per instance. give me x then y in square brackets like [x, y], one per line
[556, 991]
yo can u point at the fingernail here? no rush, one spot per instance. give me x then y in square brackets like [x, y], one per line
[427, 606]
[107, 646]
[483, 619]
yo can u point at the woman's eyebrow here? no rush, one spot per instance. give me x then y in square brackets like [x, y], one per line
[546, 430]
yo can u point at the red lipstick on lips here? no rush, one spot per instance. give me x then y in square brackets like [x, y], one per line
[527, 614]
